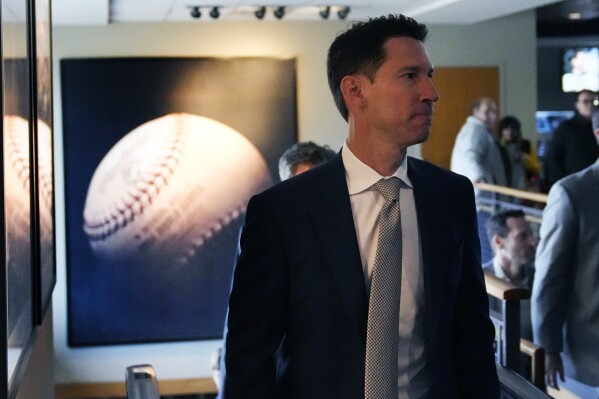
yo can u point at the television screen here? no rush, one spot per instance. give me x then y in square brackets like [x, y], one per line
[548, 121]
[580, 69]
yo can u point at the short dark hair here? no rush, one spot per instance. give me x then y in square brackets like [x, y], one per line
[497, 223]
[303, 152]
[360, 50]
[510, 121]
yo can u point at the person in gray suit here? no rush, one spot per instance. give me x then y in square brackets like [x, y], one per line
[476, 153]
[565, 295]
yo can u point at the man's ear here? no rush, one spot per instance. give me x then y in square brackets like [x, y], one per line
[352, 89]
[497, 242]
[597, 135]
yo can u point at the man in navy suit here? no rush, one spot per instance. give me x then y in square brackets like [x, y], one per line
[298, 310]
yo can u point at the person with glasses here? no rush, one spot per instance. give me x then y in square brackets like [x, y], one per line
[573, 146]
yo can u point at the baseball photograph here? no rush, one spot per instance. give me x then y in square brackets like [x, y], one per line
[160, 160]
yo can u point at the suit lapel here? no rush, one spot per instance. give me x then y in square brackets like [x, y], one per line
[334, 225]
[428, 220]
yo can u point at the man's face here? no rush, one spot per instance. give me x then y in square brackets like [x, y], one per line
[399, 101]
[486, 113]
[584, 104]
[519, 246]
[509, 133]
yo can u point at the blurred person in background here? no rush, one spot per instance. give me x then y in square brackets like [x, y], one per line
[514, 246]
[524, 164]
[565, 295]
[301, 157]
[572, 146]
[478, 155]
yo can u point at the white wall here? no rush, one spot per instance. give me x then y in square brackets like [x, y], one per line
[508, 43]
[38, 381]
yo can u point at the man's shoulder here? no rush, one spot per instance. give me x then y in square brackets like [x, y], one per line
[473, 133]
[576, 123]
[588, 177]
[475, 125]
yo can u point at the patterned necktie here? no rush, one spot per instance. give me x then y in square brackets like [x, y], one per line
[382, 334]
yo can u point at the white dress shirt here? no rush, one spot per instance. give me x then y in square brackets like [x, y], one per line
[366, 203]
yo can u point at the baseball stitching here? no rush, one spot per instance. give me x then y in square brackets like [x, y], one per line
[19, 157]
[132, 204]
[45, 175]
[215, 228]
[101, 226]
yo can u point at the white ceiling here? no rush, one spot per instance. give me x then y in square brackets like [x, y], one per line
[102, 12]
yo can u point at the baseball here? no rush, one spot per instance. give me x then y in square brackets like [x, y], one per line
[168, 186]
[16, 175]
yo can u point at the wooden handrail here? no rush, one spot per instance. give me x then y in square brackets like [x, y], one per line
[537, 366]
[512, 192]
[505, 290]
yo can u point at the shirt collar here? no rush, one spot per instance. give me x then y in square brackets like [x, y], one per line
[361, 177]
[499, 272]
[498, 269]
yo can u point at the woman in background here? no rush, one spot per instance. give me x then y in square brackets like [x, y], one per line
[524, 163]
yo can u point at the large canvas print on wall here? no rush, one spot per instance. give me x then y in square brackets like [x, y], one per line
[161, 157]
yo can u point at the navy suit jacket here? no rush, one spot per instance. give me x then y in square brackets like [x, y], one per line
[296, 326]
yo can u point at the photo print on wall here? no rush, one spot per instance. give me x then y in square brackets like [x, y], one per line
[161, 157]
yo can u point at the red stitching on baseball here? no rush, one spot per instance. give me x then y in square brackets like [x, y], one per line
[18, 154]
[101, 227]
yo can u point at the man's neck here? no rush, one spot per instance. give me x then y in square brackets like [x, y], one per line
[511, 270]
[385, 158]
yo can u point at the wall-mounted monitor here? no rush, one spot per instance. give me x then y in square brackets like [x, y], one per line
[580, 69]
[547, 122]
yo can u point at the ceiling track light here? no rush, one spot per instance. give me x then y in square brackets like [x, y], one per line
[324, 12]
[342, 12]
[214, 12]
[260, 12]
[279, 12]
[195, 12]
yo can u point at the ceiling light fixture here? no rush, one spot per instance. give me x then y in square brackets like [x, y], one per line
[342, 12]
[214, 13]
[195, 12]
[325, 11]
[260, 12]
[279, 12]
